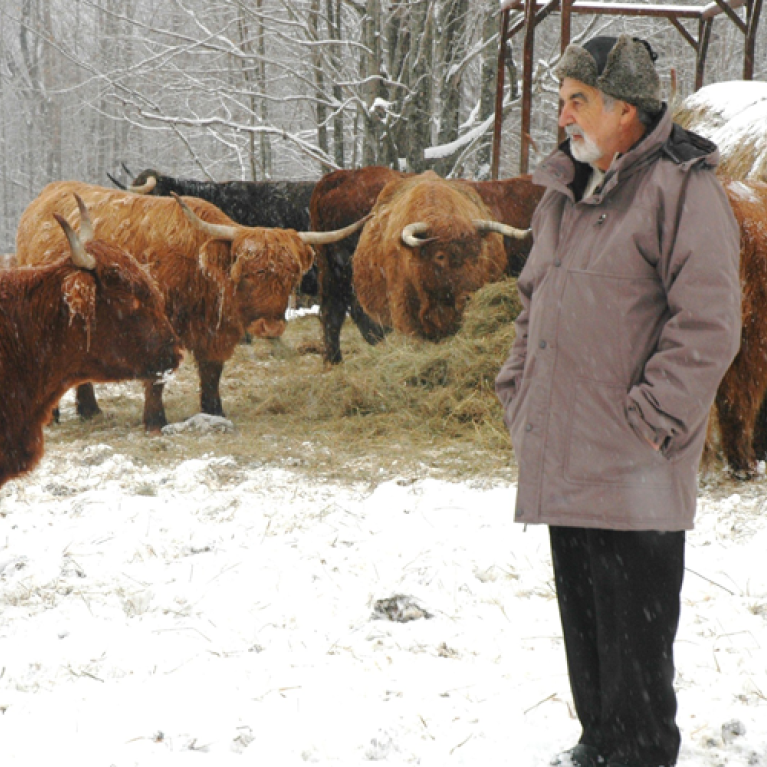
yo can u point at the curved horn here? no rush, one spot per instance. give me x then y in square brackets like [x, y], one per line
[411, 230]
[86, 225]
[217, 231]
[323, 238]
[79, 256]
[496, 226]
[145, 188]
[117, 183]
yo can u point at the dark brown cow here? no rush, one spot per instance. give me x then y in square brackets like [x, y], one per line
[239, 278]
[340, 196]
[430, 244]
[742, 424]
[346, 195]
[93, 314]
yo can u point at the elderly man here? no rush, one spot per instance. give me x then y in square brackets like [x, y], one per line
[631, 316]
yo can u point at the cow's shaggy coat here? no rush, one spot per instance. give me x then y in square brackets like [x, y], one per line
[740, 399]
[346, 195]
[62, 324]
[422, 290]
[233, 286]
[279, 204]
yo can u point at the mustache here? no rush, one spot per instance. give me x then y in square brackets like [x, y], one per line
[574, 130]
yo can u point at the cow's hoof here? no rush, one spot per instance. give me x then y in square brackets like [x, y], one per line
[743, 475]
[88, 413]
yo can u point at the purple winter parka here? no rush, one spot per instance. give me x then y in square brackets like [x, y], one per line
[630, 317]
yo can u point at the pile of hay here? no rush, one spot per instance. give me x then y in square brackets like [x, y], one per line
[442, 387]
[734, 116]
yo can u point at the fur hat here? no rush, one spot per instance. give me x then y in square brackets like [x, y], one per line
[622, 67]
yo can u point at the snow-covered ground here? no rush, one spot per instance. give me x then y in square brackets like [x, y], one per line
[214, 614]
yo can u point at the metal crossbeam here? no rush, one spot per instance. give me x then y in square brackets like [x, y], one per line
[535, 11]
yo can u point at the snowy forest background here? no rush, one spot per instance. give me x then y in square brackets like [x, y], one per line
[257, 89]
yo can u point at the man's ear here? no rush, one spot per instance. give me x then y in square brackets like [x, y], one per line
[628, 112]
[79, 293]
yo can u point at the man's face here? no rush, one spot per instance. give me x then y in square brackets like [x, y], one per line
[593, 130]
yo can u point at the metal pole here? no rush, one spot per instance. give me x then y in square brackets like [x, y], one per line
[499, 79]
[754, 9]
[527, 85]
[704, 37]
[565, 33]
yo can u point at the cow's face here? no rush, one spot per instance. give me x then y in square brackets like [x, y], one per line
[268, 265]
[445, 272]
[127, 332]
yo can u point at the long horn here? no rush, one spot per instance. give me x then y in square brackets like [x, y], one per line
[118, 184]
[146, 188]
[411, 230]
[496, 226]
[323, 238]
[79, 256]
[86, 225]
[217, 231]
[127, 170]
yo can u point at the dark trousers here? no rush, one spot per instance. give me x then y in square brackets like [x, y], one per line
[619, 600]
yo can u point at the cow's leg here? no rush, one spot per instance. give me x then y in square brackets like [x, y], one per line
[210, 378]
[332, 316]
[154, 410]
[85, 402]
[760, 433]
[371, 331]
[335, 285]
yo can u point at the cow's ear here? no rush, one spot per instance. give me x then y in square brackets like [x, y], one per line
[306, 258]
[79, 292]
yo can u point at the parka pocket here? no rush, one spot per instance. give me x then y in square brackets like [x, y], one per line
[602, 446]
[514, 415]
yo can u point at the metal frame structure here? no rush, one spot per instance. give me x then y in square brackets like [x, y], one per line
[535, 11]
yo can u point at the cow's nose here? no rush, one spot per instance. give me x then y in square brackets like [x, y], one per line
[264, 328]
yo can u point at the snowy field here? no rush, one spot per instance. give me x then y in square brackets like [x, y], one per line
[216, 614]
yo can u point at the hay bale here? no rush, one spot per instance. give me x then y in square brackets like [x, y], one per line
[416, 382]
[734, 116]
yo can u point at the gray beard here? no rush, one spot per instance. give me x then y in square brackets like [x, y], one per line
[587, 151]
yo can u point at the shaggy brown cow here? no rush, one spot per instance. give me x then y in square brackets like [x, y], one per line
[93, 314]
[430, 244]
[742, 426]
[346, 195]
[281, 204]
[238, 277]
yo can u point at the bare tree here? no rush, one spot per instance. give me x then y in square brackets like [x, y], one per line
[257, 89]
